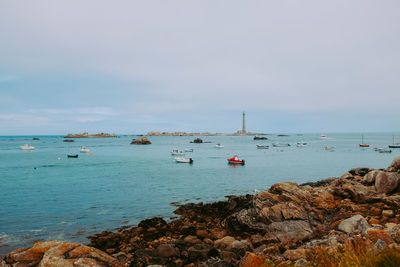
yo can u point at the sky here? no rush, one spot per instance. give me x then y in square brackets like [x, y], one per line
[137, 66]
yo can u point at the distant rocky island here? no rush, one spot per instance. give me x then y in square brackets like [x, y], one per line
[200, 134]
[345, 221]
[87, 135]
[141, 141]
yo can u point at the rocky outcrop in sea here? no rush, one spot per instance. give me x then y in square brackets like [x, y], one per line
[141, 141]
[285, 225]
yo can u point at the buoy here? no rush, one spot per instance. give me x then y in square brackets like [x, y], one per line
[91, 153]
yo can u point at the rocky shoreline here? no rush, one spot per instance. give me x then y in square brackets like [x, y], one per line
[287, 225]
[87, 135]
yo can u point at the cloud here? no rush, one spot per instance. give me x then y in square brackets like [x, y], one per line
[199, 57]
[85, 119]
[21, 119]
[83, 110]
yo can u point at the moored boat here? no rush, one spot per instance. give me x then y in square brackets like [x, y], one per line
[323, 136]
[84, 150]
[277, 144]
[394, 145]
[262, 146]
[176, 152]
[27, 147]
[236, 160]
[301, 144]
[189, 150]
[260, 138]
[184, 160]
[219, 146]
[384, 150]
[362, 142]
[72, 155]
[330, 148]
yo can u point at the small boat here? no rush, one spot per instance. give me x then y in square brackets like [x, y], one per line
[69, 140]
[184, 160]
[236, 160]
[260, 138]
[189, 150]
[330, 148]
[72, 155]
[262, 147]
[277, 144]
[394, 145]
[301, 144]
[378, 148]
[176, 152]
[84, 150]
[35, 138]
[362, 142]
[323, 136]
[219, 146]
[27, 147]
[384, 150]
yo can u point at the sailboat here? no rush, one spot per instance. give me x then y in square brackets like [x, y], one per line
[394, 145]
[27, 147]
[70, 155]
[362, 142]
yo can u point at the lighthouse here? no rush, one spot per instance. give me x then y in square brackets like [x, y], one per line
[244, 124]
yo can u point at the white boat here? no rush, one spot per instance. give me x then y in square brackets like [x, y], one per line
[184, 160]
[27, 147]
[262, 146]
[323, 136]
[277, 144]
[330, 148]
[189, 150]
[378, 148]
[84, 150]
[301, 144]
[219, 145]
[176, 152]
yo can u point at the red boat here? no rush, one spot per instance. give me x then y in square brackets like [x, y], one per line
[236, 160]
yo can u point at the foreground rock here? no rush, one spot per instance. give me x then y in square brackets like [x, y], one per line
[58, 253]
[284, 225]
[141, 141]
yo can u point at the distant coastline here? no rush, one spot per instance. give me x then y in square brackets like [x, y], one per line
[87, 135]
[201, 134]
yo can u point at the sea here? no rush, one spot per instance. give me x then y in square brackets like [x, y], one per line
[46, 196]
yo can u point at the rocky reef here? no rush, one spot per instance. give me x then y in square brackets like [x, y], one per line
[287, 225]
[141, 141]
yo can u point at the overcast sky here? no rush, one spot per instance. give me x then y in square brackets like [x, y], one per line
[135, 66]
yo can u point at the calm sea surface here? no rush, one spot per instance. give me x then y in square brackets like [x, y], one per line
[45, 195]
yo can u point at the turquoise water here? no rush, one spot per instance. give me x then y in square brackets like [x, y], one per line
[45, 195]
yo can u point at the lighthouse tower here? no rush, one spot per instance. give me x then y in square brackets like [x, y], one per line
[244, 124]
